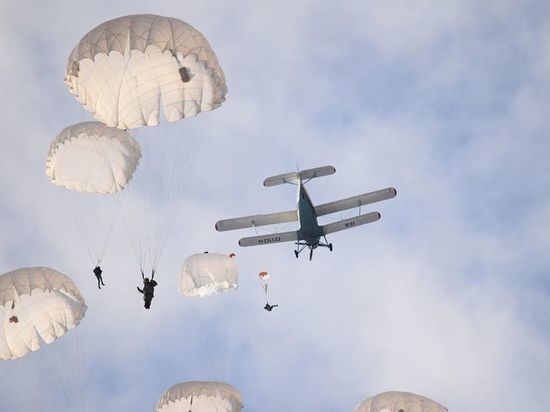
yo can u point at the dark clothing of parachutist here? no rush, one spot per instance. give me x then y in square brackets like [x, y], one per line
[269, 307]
[97, 273]
[14, 319]
[148, 291]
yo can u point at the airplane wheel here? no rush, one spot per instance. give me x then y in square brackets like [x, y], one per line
[296, 254]
[330, 247]
[310, 254]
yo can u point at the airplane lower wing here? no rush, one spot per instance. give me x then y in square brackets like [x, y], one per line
[351, 222]
[269, 239]
[355, 201]
[257, 220]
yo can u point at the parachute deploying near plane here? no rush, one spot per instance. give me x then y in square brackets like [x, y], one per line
[128, 70]
[195, 396]
[204, 274]
[264, 279]
[91, 157]
[37, 305]
[399, 402]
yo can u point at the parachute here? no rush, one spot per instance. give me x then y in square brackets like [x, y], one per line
[38, 306]
[204, 274]
[399, 402]
[264, 279]
[126, 72]
[91, 157]
[129, 69]
[200, 396]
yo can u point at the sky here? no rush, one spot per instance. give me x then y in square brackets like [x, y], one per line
[447, 296]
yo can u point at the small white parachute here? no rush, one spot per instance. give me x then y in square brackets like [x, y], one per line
[129, 69]
[94, 158]
[37, 305]
[206, 273]
[399, 402]
[195, 396]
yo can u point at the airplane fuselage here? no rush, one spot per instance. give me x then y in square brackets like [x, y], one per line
[310, 231]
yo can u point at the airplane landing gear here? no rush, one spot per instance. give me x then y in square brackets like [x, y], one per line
[296, 254]
[330, 247]
[310, 253]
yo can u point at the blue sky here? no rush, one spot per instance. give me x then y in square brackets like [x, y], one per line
[446, 296]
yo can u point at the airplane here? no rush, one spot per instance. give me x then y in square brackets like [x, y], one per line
[310, 232]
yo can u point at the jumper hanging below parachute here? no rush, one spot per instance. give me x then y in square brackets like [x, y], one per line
[264, 278]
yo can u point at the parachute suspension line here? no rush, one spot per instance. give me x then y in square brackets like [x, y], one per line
[264, 279]
[70, 359]
[85, 239]
[81, 383]
[55, 369]
[131, 226]
[178, 201]
[94, 237]
[108, 235]
[154, 197]
[33, 398]
[266, 293]
[168, 173]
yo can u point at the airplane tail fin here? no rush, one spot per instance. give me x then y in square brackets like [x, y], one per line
[295, 177]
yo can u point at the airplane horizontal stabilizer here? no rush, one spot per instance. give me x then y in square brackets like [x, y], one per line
[303, 175]
[269, 239]
[351, 222]
[257, 220]
[355, 201]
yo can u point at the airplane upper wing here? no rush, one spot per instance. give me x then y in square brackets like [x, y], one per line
[355, 201]
[257, 220]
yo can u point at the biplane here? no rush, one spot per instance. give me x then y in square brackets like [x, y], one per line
[310, 234]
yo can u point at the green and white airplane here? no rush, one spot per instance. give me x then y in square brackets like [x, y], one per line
[310, 232]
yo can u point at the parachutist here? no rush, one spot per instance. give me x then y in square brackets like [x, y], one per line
[14, 319]
[269, 307]
[97, 273]
[148, 290]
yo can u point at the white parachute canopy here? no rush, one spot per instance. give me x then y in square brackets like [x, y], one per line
[206, 273]
[37, 305]
[129, 69]
[195, 396]
[399, 402]
[91, 157]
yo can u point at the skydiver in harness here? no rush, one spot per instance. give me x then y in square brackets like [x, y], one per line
[97, 273]
[148, 289]
[269, 307]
